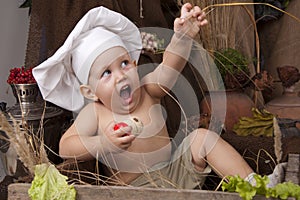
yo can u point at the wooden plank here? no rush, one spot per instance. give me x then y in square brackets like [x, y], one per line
[18, 191]
[293, 169]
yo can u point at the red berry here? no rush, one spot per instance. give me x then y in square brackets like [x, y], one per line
[21, 75]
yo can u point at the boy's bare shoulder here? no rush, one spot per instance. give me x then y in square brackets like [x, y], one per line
[90, 110]
[87, 119]
[93, 106]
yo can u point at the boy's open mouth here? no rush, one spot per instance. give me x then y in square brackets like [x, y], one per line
[125, 92]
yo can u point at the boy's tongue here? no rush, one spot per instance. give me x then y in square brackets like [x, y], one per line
[125, 92]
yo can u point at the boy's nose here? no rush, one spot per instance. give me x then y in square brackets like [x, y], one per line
[120, 76]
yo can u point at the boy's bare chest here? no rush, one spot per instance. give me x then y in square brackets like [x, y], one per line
[149, 112]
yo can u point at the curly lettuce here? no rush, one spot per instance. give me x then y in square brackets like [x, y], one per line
[49, 183]
[247, 191]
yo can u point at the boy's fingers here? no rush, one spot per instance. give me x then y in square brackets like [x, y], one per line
[186, 11]
[196, 11]
[127, 139]
[180, 20]
[186, 8]
[203, 22]
[202, 16]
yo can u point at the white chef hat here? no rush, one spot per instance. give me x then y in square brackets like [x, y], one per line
[60, 76]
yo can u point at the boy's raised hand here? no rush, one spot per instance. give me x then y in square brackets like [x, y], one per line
[190, 21]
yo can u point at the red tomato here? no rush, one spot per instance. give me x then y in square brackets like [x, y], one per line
[119, 125]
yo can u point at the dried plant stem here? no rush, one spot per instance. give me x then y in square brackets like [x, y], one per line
[252, 18]
[177, 102]
[220, 184]
[277, 140]
[244, 4]
[258, 156]
[29, 152]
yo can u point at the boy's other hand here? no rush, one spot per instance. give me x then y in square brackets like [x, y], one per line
[190, 21]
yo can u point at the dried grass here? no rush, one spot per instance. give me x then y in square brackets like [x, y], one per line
[29, 148]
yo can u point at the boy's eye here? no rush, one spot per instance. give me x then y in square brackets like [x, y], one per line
[124, 63]
[106, 73]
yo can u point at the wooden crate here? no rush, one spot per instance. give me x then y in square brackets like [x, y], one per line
[18, 191]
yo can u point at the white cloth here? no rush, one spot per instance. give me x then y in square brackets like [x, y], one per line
[276, 177]
[60, 76]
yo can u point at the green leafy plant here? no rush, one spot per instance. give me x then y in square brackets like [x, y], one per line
[261, 124]
[233, 67]
[248, 191]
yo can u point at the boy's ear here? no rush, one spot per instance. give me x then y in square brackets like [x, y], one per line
[88, 93]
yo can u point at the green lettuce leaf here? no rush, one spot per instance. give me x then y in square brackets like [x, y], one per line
[49, 183]
[261, 184]
[239, 185]
[285, 190]
[247, 191]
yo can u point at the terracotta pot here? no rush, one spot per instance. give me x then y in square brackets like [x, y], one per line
[225, 108]
[286, 106]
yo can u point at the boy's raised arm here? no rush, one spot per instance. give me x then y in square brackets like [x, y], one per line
[178, 51]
